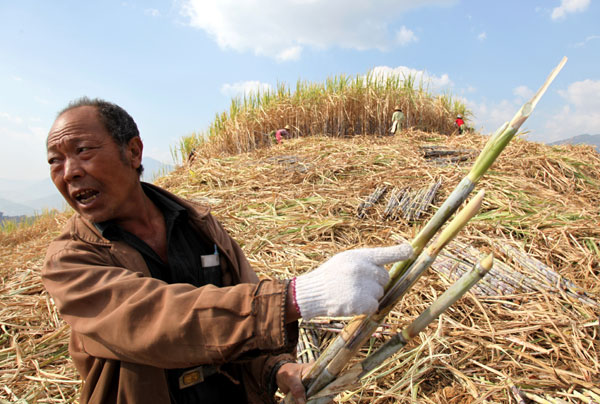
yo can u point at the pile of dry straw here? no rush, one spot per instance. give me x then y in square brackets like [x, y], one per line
[529, 333]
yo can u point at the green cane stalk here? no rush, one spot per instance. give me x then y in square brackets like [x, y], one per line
[360, 328]
[492, 149]
[352, 375]
[353, 333]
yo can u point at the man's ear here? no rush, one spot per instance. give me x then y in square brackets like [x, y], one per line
[135, 148]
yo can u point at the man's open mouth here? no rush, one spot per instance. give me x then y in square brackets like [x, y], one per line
[86, 196]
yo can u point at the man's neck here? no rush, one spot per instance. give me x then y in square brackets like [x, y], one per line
[148, 224]
[142, 216]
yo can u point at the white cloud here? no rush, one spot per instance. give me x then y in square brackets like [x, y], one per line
[12, 119]
[523, 92]
[242, 88]
[152, 12]
[482, 37]
[586, 40]
[489, 116]
[569, 6]
[282, 29]
[432, 82]
[583, 94]
[581, 115]
[292, 53]
[405, 36]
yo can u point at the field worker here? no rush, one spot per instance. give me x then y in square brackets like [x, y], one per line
[282, 133]
[397, 119]
[459, 123]
[162, 304]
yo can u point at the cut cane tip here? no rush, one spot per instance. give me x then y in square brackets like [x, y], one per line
[487, 262]
[474, 204]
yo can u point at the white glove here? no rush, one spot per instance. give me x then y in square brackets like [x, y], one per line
[349, 283]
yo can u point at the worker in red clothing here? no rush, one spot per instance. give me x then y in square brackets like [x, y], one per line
[282, 133]
[459, 123]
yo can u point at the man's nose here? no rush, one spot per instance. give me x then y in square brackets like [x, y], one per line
[73, 169]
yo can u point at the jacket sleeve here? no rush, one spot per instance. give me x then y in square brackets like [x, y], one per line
[122, 314]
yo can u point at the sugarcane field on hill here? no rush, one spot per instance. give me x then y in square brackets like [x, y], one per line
[530, 328]
[528, 332]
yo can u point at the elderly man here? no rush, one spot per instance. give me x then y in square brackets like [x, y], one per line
[162, 303]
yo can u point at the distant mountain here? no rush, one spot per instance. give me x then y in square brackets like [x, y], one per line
[30, 197]
[50, 201]
[154, 169]
[593, 140]
[10, 208]
[24, 190]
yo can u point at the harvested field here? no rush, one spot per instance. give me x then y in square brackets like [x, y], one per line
[528, 332]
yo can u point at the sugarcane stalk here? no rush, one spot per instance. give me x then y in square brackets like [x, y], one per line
[429, 254]
[492, 149]
[371, 200]
[515, 392]
[345, 346]
[399, 340]
[358, 330]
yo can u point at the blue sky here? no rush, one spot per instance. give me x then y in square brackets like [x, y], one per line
[175, 64]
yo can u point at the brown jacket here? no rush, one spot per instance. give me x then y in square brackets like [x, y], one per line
[127, 327]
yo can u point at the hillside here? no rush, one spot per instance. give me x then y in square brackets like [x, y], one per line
[293, 205]
[592, 140]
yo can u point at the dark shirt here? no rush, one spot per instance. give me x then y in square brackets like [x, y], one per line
[185, 248]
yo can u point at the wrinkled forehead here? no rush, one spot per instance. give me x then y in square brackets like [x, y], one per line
[76, 123]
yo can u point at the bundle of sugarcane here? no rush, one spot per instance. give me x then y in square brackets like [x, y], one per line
[336, 325]
[394, 202]
[441, 151]
[587, 396]
[406, 201]
[308, 344]
[441, 155]
[547, 276]
[404, 274]
[411, 204]
[505, 280]
[410, 210]
[400, 339]
[370, 201]
[428, 198]
[290, 163]
[402, 201]
[444, 161]
[337, 355]
[453, 266]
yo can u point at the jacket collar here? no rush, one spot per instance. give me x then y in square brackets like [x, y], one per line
[87, 231]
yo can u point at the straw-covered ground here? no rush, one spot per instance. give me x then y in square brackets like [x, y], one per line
[528, 332]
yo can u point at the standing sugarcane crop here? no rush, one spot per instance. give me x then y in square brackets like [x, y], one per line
[336, 356]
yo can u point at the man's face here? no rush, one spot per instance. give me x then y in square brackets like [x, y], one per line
[94, 175]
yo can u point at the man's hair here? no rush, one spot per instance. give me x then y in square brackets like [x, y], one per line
[115, 119]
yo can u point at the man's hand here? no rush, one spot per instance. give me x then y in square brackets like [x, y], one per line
[289, 379]
[349, 283]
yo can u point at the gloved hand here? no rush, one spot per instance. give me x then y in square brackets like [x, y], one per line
[349, 283]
